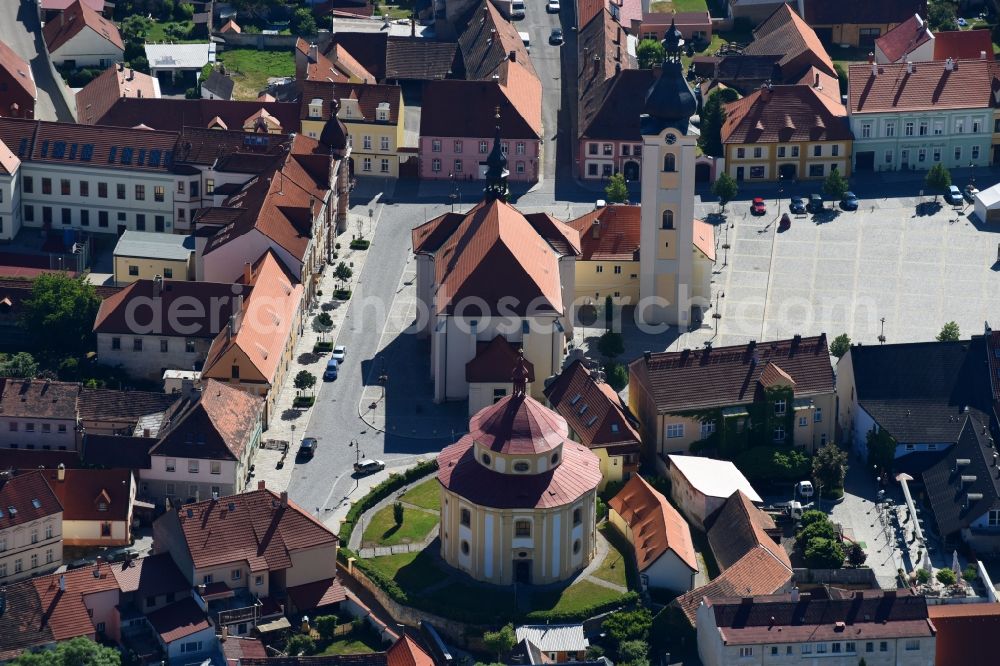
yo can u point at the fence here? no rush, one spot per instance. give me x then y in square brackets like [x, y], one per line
[261, 41]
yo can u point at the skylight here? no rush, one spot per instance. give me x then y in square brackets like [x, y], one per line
[72, 151]
[45, 148]
[87, 152]
[112, 154]
[35, 503]
[59, 150]
[126, 156]
[154, 158]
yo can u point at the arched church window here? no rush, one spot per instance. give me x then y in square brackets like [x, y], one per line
[668, 219]
[669, 162]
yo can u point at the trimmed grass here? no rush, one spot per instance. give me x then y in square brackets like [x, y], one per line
[679, 5]
[411, 571]
[577, 597]
[158, 33]
[426, 495]
[613, 568]
[383, 531]
[353, 644]
[251, 69]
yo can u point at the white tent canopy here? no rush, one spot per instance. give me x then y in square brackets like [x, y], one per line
[987, 204]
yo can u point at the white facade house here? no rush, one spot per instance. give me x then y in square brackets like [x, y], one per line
[80, 37]
[10, 193]
[700, 486]
[31, 527]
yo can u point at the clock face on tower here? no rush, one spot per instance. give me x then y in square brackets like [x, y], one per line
[670, 138]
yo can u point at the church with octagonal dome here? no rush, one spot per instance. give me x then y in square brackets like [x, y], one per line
[517, 494]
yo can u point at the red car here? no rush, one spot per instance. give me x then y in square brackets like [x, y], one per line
[758, 207]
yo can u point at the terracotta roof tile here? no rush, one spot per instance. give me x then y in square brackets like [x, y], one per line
[219, 425]
[75, 19]
[38, 398]
[343, 59]
[785, 34]
[19, 70]
[904, 38]
[929, 86]
[237, 649]
[783, 114]
[116, 82]
[179, 619]
[316, 594]
[368, 96]
[518, 425]
[861, 12]
[739, 527]
[84, 491]
[487, 41]
[256, 530]
[231, 26]
[604, 424]
[56, 5]
[30, 497]
[111, 404]
[23, 459]
[117, 451]
[655, 524]
[406, 652]
[960, 632]
[479, 99]
[149, 576]
[9, 162]
[21, 625]
[963, 45]
[367, 48]
[419, 59]
[610, 101]
[494, 362]
[609, 233]
[175, 114]
[704, 238]
[725, 376]
[65, 612]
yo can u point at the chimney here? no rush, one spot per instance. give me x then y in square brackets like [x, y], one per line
[157, 285]
[871, 58]
[618, 68]
[982, 55]
[262, 484]
[795, 595]
[225, 632]
[284, 499]
[949, 65]
[765, 93]
[816, 81]
[647, 356]
[97, 568]
[62, 583]
[313, 52]
[513, 56]
[131, 74]
[247, 273]
[61, 473]
[595, 229]
[413, 27]
[909, 67]
[797, 338]
[874, 69]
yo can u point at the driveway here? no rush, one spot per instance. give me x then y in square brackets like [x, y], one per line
[21, 30]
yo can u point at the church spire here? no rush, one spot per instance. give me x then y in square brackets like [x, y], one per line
[519, 377]
[670, 100]
[496, 167]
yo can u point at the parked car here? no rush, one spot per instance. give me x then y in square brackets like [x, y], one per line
[962, 22]
[552, 7]
[331, 370]
[970, 192]
[815, 203]
[954, 197]
[757, 206]
[339, 353]
[556, 36]
[517, 10]
[797, 205]
[307, 449]
[368, 466]
[849, 201]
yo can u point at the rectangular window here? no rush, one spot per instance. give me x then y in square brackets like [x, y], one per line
[366, 164]
[236, 574]
[170, 488]
[869, 646]
[835, 648]
[922, 155]
[519, 168]
[835, 149]
[436, 165]
[116, 343]
[883, 646]
[756, 172]
[484, 147]
[84, 217]
[757, 152]
[170, 464]
[591, 169]
[608, 149]
[519, 148]
[384, 144]
[741, 153]
[795, 151]
[180, 187]
[779, 407]
[192, 466]
[600, 269]
[164, 346]
[102, 218]
[46, 186]
[189, 346]
[465, 517]
[937, 154]
[209, 186]
[215, 467]
[675, 430]
[46, 428]
[48, 556]
[522, 528]
[781, 151]
[820, 648]
[850, 646]
[140, 192]
[140, 222]
[159, 223]
[64, 187]
[779, 434]
[888, 157]
[803, 422]
[137, 344]
[235, 372]
[458, 145]
[959, 126]
[912, 644]
[29, 427]
[67, 216]
[120, 190]
[707, 429]
[923, 128]
[29, 213]
[866, 130]
[815, 170]
[29, 183]
[746, 652]
[977, 126]
[167, 272]
[618, 270]
[383, 166]
[975, 152]
[435, 144]
[158, 193]
[890, 128]
[817, 151]
[818, 415]
[195, 188]
[908, 129]
[18, 565]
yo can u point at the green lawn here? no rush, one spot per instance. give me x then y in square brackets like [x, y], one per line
[666, 6]
[613, 568]
[383, 531]
[577, 597]
[426, 495]
[412, 571]
[158, 33]
[363, 642]
[251, 68]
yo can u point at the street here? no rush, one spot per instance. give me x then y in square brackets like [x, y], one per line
[20, 29]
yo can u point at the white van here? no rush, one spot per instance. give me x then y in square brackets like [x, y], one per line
[517, 10]
[525, 39]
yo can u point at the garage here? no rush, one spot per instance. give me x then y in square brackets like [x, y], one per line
[987, 205]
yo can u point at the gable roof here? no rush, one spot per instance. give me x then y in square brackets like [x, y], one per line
[178, 620]
[783, 114]
[419, 59]
[30, 497]
[206, 322]
[785, 34]
[495, 362]
[604, 423]
[38, 398]
[726, 376]
[656, 525]
[929, 86]
[904, 38]
[96, 98]
[859, 12]
[174, 114]
[554, 637]
[64, 612]
[960, 632]
[918, 391]
[337, 65]
[22, 625]
[369, 96]
[218, 425]
[368, 48]
[737, 528]
[255, 527]
[84, 491]
[219, 84]
[487, 41]
[18, 69]
[74, 20]
[704, 238]
[963, 45]
[520, 107]
[149, 576]
[610, 109]
[610, 233]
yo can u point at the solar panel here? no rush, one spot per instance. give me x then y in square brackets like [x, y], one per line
[23, 147]
[112, 153]
[45, 148]
[87, 152]
[126, 156]
[142, 157]
[59, 149]
[154, 157]
[72, 151]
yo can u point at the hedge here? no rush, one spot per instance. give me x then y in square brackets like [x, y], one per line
[380, 492]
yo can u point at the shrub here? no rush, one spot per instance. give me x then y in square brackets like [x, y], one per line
[633, 652]
[300, 644]
[617, 375]
[379, 493]
[773, 464]
[824, 554]
[342, 294]
[856, 555]
[629, 625]
[397, 512]
[821, 529]
[326, 626]
[971, 573]
[923, 575]
[946, 577]
[813, 516]
[611, 345]
[360, 244]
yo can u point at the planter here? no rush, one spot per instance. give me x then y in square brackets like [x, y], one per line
[304, 402]
[321, 347]
[360, 244]
[342, 294]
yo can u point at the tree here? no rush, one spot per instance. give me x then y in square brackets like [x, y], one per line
[813, 516]
[970, 574]
[941, 16]
[501, 641]
[322, 324]
[305, 380]
[949, 333]
[713, 117]
[75, 652]
[59, 315]
[725, 188]
[856, 555]
[616, 375]
[21, 365]
[609, 312]
[135, 28]
[835, 185]
[616, 191]
[830, 466]
[881, 448]
[628, 625]
[633, 653]
[397, 512]
[649, 52]
[938, 179]
[184, 11]
[824, 554]
[923, 575]
[841, 78]
[611, 345]
[821, 529]
[343, 273]
[300, 644]
[326, 626]
[303, 23]
[946, 577]
[840, 345]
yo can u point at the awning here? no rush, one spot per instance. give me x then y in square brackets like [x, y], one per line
[280, 624]
[139, 504]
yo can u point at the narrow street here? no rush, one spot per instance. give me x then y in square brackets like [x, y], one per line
[21, 30]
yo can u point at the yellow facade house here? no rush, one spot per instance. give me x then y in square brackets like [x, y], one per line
[145, 255]
[797, 132]
[373, 115]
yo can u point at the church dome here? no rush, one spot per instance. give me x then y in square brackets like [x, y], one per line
[518, 425]
[670, 98]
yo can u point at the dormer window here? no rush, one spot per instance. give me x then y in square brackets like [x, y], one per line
[382, 112]
[316, 108]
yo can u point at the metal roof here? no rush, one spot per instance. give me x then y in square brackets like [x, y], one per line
[154, 245]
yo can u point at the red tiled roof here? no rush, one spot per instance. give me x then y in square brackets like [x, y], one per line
[75, 19]
[19, 70]
[23, 460]
[904, 38]
[38, 398]
[929, 86]
[56, 5]
[178, 620]
[604, 424]
[149, 576]
[486, 44]
[317, 594]
[783, 114]
[739, 527]
[861, 12]
[116, 82]
[577, 474]
[963, 45]
[9, 162]
[94, 404]
[406, 652]
[704, 238]
[655, 524]
[785, 34]
[21, 624]
[478, 101]
[256, 530]
[64, 612]
[175, 114]
[725, 376]
[518, 425]
[419, 59]
[236, 649]
[494, 362]
[369, 96]
[961, 629]
[231, 26]
[84, 491]
[21, 493]
[111, 317]
[610, 233]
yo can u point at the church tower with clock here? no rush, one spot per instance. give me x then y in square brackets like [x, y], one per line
[666, 261]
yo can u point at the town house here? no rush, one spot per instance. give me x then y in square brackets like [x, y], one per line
[31, 526]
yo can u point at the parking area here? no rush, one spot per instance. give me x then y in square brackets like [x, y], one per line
[917, 266]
